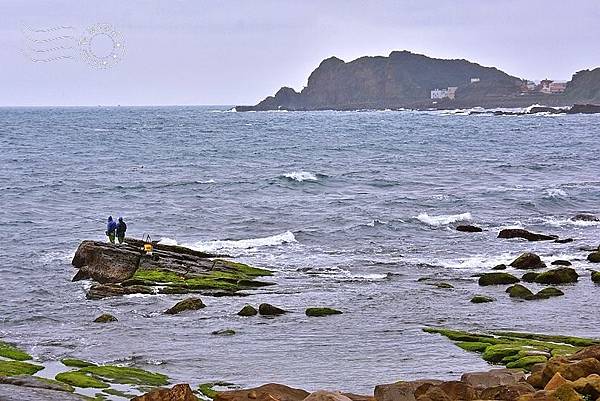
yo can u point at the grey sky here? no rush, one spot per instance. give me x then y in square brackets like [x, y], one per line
[238, 52]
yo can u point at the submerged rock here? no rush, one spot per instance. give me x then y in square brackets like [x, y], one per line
[519, 291]
[585, 217]
[105, 318]
[500, 267]
[224, 332]
[467, 228]
[564, 240]
[179, 392]
[497, 279]
[594, 257]
[527, 261]
[318, 312]
[481, 299]
[562, 275]
[270, 310]
[186, 304]
[248, 310]
[521, 233]
[560, 262]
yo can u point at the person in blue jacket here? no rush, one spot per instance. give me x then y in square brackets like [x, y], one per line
[111, 227]
[121, 228]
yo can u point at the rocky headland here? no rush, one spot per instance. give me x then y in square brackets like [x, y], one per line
[405, 80]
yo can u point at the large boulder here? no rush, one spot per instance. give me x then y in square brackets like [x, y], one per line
[592, 351]
[401, 391]
[497, 279]
[179, 392]
[453, 390]
[267, 392]
[104, 262]
[493, 378]
[529, 236]
[562, 275]
[570, 370]
[519, 291]
[186, 304]
[270, 310]
[248, 310]
[589, 386]
[528, 261]
[594, 257]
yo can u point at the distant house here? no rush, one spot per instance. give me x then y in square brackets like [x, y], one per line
[439, 93]
[473, 80]
[557, 87]
[545, 86]
[452, 92]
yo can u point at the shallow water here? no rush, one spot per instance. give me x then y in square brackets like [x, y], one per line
[349, 208]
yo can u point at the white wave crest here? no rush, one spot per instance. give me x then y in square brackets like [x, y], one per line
[211, 181]
[229, 246]
[167, 241]
[443, 220]
[562, 222]
[376, 222]
[301, 176]
[556, 193]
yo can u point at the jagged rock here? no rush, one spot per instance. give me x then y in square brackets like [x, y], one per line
[519, 291]
[267, 392]
[481, 299]
[248, 310]
[179, 392]
[469, 229]
[585, 217]
[104, 262]
[497, 279]
[510, 392]
[528, 261]
[11, 392]
[561, 263]
[105, 318]
[270, 310]
[589, 386]
[401, 391]
[593, 351]
[570, 370]
[326, 396]
[556, 381]
[594, 257]
[186, 304]
[562, 275]
[493, 378]
[521, 233]
[584, 109]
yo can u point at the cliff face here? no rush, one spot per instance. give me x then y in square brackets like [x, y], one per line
[403, 79]
[584, 87]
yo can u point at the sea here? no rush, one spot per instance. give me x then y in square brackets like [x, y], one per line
[349, 209]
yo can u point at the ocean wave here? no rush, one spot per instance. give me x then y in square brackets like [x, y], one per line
[301, 176]
[231, 246]
[376, 222]
[563, 222]
[556, 193]
[167, 241]
[211, 181]
[443, 220]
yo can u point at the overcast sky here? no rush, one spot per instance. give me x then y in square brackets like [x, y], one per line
[238, 52]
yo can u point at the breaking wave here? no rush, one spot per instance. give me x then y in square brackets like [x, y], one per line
[443, 219]
[301, 176]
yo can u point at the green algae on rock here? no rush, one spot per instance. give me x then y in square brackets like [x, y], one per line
[14, 368]
[519, 291]
[596, 277]
[11, 352]
[127, 375]
[105, 318]
[186, 304]
[76, 363]
[320, 312]
[562, 275]
[270, 310]
[548, 292]
[118, 393]
[77, 378]
[248, 310]
[497, 279]
[481, 299]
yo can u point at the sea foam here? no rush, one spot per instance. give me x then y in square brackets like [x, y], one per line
[301, 176]
[443, 219]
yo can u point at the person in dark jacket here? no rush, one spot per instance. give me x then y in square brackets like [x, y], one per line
[121, 228]
[111, 227]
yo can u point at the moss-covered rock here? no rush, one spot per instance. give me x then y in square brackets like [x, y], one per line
[14, 368]
[105, 318]
[481, 299]
[519, 291]
[76, 363]
[473, 346]
[248, 310]
[526, 362]
[562, 275]
[318, 312]
[463, 336]
[270, 310]
[529, 277]
[594, 257]
[207, 390]
[528, 260]
[548, 292]
[442, 285]
[11, 352]
[186, 304]
[596, 277]
[77, 378]
[126, 375]
[497, 279]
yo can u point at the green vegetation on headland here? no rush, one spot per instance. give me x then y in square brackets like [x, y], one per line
[515, 350]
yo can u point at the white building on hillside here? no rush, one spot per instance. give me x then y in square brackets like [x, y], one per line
[439, 93]
[452, 92]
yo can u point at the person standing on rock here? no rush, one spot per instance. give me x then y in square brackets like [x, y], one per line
[121, 228]
[111, 227]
